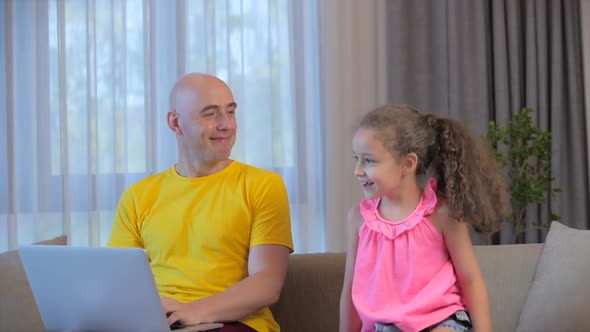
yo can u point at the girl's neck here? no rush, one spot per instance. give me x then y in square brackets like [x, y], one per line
[398, 206]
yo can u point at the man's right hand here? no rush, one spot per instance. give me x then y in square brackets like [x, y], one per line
[185, 313]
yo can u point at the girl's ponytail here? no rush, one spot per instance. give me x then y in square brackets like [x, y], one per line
[468, 175]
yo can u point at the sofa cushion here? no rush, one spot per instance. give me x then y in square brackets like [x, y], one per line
[17, 299]
[559, 298]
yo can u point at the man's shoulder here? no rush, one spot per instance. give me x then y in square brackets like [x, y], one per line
[255, 172]
[149, 180]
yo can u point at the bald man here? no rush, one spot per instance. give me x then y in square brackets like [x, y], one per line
[217, 231]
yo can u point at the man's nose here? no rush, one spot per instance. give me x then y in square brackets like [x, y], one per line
[225, 122]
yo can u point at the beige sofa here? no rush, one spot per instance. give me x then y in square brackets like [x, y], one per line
[311, 295]
[310, 298]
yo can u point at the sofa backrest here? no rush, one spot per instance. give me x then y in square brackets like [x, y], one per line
[311, 295]
[509, 271]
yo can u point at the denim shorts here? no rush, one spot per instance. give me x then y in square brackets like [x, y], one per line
[458, 321]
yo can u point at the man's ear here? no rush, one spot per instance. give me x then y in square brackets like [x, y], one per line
[172, 120]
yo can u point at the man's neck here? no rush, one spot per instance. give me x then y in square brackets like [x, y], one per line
[196, 169]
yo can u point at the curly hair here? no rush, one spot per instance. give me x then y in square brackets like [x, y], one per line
[465, 167]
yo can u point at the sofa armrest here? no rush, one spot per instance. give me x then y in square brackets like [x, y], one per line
[18, 309]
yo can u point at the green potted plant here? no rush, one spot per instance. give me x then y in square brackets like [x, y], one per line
[524, 152]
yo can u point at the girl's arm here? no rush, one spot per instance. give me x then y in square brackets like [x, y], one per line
[475, 292]
[349, 319]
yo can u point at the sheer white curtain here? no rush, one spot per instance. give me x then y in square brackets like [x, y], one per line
[352, 82]
[83, 96]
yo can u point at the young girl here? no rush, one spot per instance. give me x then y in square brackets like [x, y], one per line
[410, 264]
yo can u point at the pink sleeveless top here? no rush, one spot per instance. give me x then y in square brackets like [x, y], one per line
[403, 272]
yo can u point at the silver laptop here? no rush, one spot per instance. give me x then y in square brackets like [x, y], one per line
[96, 289]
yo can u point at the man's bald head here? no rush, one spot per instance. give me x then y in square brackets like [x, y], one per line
[193, 85]
[202, 115]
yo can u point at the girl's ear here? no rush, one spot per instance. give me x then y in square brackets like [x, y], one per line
[411, 162]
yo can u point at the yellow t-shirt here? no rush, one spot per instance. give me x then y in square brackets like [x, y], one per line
[198, 231]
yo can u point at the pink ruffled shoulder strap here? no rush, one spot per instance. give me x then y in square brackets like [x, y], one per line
[373, 221]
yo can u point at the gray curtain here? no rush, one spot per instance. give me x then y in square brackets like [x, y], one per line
[481, 60]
